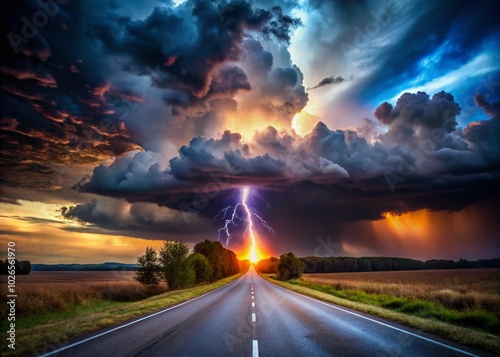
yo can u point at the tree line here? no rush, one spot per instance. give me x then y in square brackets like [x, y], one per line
[364, 264]
[286, 267]
[178, 267]
[23, 267]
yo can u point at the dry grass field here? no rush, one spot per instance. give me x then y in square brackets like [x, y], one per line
[456, 289]
[469, 298]
[59, 292]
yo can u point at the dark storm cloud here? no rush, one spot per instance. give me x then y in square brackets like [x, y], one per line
[198, 163]
[225, 82]
[230, 79]
[419, 163]
[191, 57]
[328, 81]
[492, 109]
[185, 45]
[417, 117]
[117, 216]
[277, 92]
[484, 135]
[56, 104]
[60, 108]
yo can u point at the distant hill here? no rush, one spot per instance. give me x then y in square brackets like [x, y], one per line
[108, 266]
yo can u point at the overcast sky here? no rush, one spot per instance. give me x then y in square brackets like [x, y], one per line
[361, 128]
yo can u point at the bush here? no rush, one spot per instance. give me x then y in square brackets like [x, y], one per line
[175, 266]
[148, 271]
[290, 267]
[202, 268]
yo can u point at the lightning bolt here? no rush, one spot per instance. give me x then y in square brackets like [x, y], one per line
[264, 223]
[253, 247]
[228, 222]
[232, 219]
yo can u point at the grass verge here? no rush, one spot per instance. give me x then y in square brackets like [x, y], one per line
[465, 336]
[51, 331]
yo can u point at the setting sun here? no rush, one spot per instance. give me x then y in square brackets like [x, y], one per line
[252, 254]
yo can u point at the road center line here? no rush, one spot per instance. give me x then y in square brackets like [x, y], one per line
[253, 304]
[255, 348]
[254, 318]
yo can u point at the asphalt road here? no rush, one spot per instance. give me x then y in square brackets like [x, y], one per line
[253, 317]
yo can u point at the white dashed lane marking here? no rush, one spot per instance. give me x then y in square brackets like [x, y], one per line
[255, 343]
[255, 348]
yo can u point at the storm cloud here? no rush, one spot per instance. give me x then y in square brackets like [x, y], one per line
[74, 107]
[420, 160]
[149, 117]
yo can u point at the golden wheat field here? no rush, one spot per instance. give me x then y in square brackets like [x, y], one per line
[457, 289]
[61, 291]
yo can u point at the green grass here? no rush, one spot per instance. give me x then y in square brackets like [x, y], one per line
[477, 329]
[49, 330]
[469, 318]
[50, 317]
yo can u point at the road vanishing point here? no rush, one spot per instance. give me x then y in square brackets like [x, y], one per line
[254, 317]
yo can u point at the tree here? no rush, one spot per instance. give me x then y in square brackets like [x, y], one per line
[268, 266]
[175, 266]
[290, 267]
[22, 267]
[364, 264]
[350, 264]
[244, 264]
[148, 270]
[202, 268]
[223, 261]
